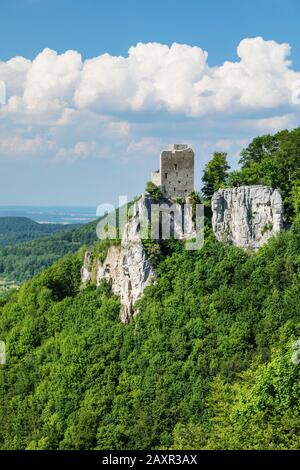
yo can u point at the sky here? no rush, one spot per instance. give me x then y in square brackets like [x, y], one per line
[96, 89]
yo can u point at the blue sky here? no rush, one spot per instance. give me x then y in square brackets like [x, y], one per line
[81, 133]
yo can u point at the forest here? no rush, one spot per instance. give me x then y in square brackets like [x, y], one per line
[210, 361]
[15, 230]
[21, 261]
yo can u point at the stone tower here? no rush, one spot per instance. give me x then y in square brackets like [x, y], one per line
[176, 174]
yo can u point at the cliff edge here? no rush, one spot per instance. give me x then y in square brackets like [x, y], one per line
[247, 216]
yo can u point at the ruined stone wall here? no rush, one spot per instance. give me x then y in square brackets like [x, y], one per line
[177, 171]
[156, 178]
[176, 174]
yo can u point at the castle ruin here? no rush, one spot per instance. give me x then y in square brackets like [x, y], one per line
[175, 177]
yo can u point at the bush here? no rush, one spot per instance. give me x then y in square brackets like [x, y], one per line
[154, 191]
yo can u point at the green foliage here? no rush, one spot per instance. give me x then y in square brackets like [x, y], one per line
[154, 191]
[273, 161]
[260, 412]
[15, 230]
[234, 179]
[258, 149]
[20, 262]
[6, 285]
[180, 200]
[206, 364]
[194, 199]
[267, 228]
[215, 174]
[100, 248]
[295, 196]
[153, 250]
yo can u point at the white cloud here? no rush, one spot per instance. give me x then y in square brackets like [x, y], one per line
[178, 79]
[13, 73]
[274, 123]
[98, 106]
[148, 146]
[23, 147]
[51, 80]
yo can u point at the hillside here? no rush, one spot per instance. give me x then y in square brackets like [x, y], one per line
[207, 363]
[211, 361]
[20, 262]
[14, 230]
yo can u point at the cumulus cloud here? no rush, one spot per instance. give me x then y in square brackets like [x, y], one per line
[178, 79]
[13, 73]
[152, 77]
[89, 108]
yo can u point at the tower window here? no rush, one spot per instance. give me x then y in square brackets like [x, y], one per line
[166, 175]
[175, 166]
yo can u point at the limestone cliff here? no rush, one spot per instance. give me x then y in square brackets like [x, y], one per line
[126, 267]
[247, 216]
[86, 270]
[128, 271]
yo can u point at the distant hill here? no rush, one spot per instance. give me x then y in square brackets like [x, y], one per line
[15, 230]
[20, 261]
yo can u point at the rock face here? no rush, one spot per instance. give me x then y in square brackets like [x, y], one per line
[128, 271]
[247, 216]
[126, 267]
[86, 274]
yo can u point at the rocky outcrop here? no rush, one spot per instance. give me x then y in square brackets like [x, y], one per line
[86, 270]
[127, 268]
[247, 216]
[128, 271]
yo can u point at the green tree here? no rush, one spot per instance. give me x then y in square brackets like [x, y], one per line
[215, 174]
[259, 149]
[154, 191]
[207, 363]
[273, 161]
